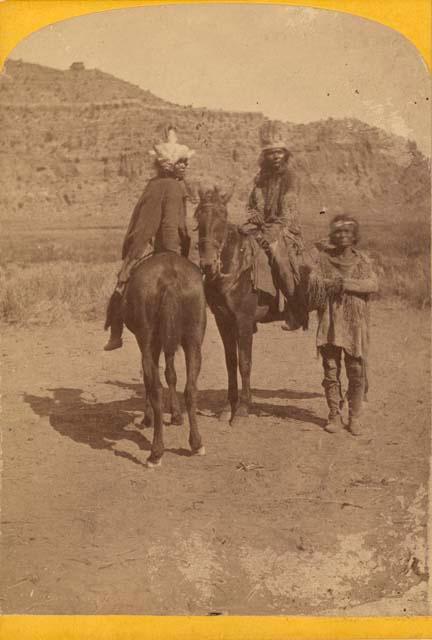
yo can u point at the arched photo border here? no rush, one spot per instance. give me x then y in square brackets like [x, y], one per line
[18, 19]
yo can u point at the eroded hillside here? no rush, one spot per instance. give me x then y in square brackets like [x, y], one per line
[75, 144]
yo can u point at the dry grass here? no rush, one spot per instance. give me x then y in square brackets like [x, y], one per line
[93, 245]
[55, 291]
[54, 276]
[405, 278]
[61, 291]
[402, 258]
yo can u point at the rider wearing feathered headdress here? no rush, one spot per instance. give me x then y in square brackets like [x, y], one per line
[158, 222]
[273, 220]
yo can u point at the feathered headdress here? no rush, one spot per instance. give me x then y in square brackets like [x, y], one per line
[271, 136]
[170, 150]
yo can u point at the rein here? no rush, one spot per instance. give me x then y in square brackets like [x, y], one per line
[216, 245]
[226, 280]
[219, 247]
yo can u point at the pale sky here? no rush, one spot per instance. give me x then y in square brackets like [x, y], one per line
[294, 64]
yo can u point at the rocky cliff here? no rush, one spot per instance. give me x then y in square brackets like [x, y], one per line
[75, 144]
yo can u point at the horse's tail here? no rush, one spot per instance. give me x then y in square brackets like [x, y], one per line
[170, 320]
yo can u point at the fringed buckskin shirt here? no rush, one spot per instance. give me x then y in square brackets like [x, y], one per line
[344, 320]
[274, 197]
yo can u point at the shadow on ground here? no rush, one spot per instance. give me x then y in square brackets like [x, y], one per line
[100, 425]
[212, 401]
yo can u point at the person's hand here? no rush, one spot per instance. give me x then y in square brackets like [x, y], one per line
[264, 245]
[338, 286]
[257, 219]
[185, 244]
[334, 286]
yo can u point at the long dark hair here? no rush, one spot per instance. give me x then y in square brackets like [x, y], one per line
[266, 171]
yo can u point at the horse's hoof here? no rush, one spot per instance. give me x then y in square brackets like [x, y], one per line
[144, 424]
[238, 421]
[147, 421]
[199, 452]
[152, 465]
[177, 419]
[242, 411]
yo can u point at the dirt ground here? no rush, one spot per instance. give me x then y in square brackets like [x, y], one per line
[278, 518]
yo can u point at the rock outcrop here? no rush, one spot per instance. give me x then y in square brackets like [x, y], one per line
[76, 143]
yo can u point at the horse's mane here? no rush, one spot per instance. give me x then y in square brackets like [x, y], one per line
[241, 259]
[232, 229]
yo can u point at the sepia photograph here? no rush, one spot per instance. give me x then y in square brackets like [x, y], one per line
[215, 315]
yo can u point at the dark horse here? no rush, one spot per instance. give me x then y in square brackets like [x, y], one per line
[164, 306]
[226, 258]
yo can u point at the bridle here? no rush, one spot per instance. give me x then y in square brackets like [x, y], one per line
[218, 245]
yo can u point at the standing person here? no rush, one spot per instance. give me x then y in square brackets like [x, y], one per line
[346, 276]
[158, 223]
[273, 221]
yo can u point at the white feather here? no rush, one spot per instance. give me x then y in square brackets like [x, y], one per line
[172, 136]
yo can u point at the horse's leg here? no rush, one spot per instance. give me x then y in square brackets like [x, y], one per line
[192, 351]
[147, 420]
[228, 334]
[171, 379]
[148, 417]
[154, 390]
[245, 337]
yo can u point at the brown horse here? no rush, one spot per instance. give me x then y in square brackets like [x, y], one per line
[164, 306]
[226, 260]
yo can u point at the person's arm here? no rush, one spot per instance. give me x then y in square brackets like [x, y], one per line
[365, 285]
[254, 208]
[145, 220]
[172, 205]
[185, 244]
[185, 240]
[368, 283]
[290, 210]
[132, 222]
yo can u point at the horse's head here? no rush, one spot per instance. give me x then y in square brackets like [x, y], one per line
[212, 217]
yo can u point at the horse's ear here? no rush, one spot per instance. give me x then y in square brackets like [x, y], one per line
[226, 197]
[205, 193]
[191, 192]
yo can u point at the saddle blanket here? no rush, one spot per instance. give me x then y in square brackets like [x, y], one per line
[261, 274]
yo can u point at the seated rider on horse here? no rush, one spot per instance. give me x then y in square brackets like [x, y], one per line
[158, 224]
[273, 222]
